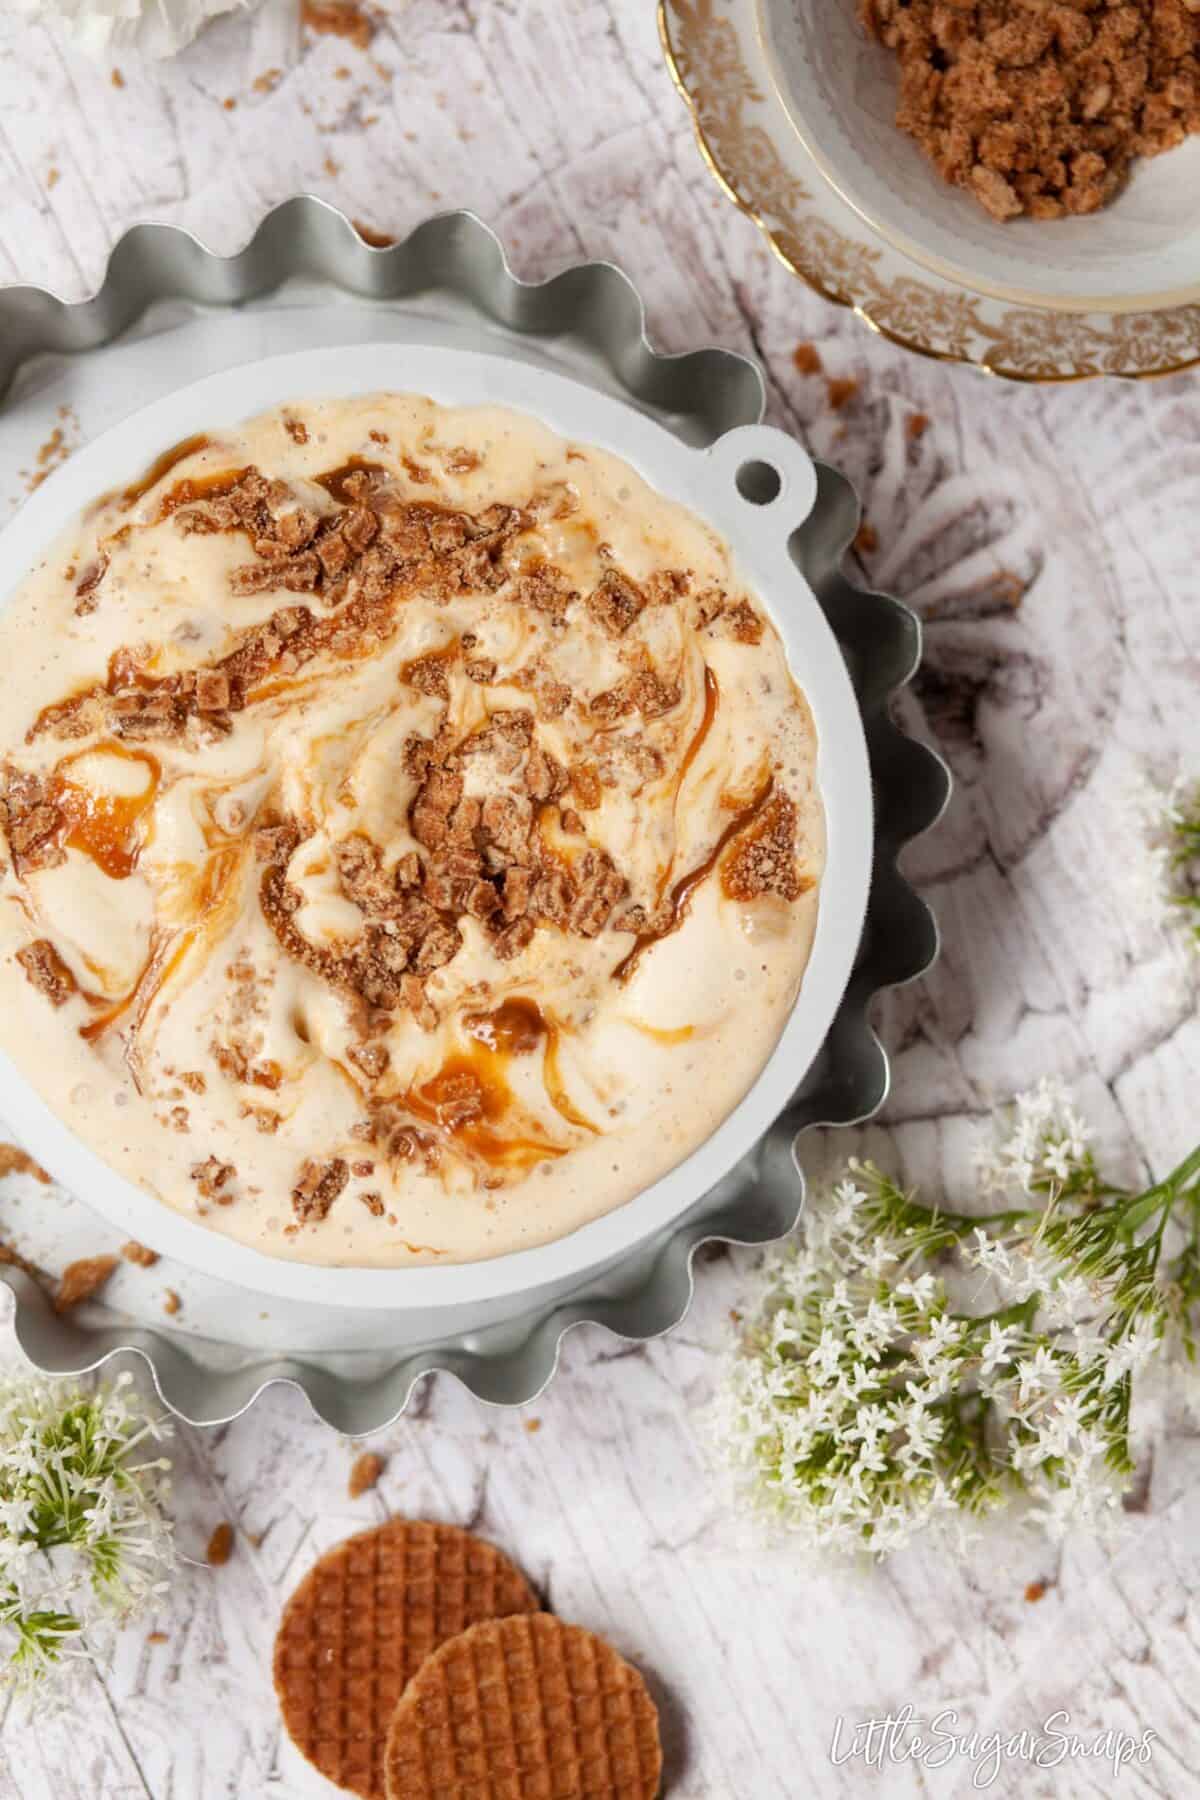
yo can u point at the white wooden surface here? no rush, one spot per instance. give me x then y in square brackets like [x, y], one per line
[556, 121]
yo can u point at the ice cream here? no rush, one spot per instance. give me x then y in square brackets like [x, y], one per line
[413, 839]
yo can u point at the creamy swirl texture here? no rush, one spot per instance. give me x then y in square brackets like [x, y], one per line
[413, 836]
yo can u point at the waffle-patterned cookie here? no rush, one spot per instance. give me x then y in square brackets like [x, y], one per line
[364, 1620]
[525, 1708]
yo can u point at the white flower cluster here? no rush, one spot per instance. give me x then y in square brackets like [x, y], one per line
[1037, 1146]
[830, 1415]
[1059, 1388]
[858, 1408]
[1166, 819]
[84, 1540]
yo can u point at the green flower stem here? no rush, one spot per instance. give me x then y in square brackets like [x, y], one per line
[1183, 1183]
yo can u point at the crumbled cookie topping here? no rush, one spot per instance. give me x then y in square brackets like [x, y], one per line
[317, 1187]
[212, 1178]
[486, 705]
[32, 820]
[1041, 108]
[46, 969]
[763, 860]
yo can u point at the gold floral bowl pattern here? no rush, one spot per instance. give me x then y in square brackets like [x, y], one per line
[717, 62]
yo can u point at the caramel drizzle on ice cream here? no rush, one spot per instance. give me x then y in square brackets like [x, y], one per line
[493, 852]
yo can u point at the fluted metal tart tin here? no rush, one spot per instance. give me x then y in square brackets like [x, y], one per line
[173, 345]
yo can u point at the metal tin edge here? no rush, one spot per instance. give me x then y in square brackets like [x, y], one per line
[703, 393]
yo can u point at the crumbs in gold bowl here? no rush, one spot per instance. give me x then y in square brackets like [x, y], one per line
[1041, 109]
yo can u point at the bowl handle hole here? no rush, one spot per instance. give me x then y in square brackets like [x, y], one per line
[759, 482]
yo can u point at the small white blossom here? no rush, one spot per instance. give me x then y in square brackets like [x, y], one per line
[998, 1349]
[1165, 819]
[1039, 1145]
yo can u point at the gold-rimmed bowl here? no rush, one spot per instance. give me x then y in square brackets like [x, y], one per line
[717, 55]
[839, 88]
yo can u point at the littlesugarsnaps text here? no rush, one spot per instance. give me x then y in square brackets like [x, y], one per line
[941, 1741]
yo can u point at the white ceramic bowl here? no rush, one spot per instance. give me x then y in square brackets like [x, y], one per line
[708, 482]
[1140, 253]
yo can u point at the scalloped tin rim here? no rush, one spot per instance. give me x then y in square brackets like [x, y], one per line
[698, 393]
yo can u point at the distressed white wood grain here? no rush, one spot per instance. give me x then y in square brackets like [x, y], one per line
[557, 122]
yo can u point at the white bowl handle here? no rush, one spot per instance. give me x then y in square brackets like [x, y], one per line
[764, 474]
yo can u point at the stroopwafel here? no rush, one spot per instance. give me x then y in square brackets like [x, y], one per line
[363, 1621]
[524, 1708]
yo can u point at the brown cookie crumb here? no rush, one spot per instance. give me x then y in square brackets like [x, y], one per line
[840, 390]
[615, 602]
[47, 971]
[80, 1280]
[364, 1473]
[916, 425]
[220, 1545]
[14, 1161]
[338, 18]
[377, 240]
[318, 1187]
[138, 1253]
[763, 861]
[171, 1301]
[212, 1178]
[742, 622]
[866, 539]
[807, 359]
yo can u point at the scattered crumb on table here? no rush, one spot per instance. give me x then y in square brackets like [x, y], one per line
[171, 1301]
[917, 424]
[220, 1545]
[378, 240]
[118, 80]
[1007, 587]
[338, 18]
[156, 1637]
[841, 389]
[364, 1473]
[533, 1424]
[866, 539]
[1035, 1591]
[807, 359]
